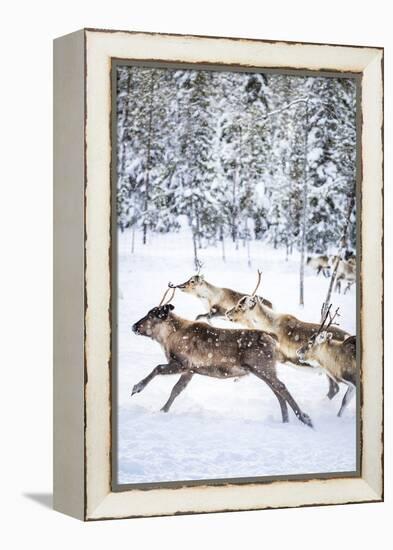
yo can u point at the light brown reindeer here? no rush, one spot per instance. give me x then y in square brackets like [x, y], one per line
[346, 272]
[338, 359]
[290, 331]
[216, 300]
[192, 348]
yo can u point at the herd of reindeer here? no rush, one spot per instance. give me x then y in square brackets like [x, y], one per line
[346, 269]
[198, 347]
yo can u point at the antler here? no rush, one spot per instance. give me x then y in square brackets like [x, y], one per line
[258, 282]
[165, 295]
[199, 265]
[331, 319]
[325, 318]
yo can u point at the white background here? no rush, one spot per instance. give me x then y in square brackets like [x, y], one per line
[26, 304]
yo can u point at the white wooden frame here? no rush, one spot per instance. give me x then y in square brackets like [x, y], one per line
[82, 439]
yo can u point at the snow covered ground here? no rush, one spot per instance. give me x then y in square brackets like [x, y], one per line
[221, 428]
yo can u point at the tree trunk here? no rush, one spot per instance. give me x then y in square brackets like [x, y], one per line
[233, 214]
[222, 243]
[125, 113]
[247, 236]
[304, 214]
[342, 246]
[133, 239]
[198, 230]
[194, 244]
[148, 158]
[248, 253]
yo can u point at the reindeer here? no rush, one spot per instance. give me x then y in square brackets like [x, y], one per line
[346, 271]
[290, 331]
[319, 263]
[217, 300]
[337, 358]
[192, 348]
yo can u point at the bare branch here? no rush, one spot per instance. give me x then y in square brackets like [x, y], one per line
[285, 107]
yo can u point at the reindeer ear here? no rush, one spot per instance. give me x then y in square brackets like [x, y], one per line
[321, 338]
[163, 311]
[250, 302]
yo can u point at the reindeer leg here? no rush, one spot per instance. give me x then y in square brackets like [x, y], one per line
[283, 406]
[347, 288]
[171, 368]
[347, 398]
[279, 387]
[180, 385]
[334, 388]
[282, 402]
[208, 316]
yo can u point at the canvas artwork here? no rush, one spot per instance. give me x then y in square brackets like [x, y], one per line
[234, 274]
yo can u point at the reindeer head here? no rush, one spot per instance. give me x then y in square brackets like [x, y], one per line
[241, 311]
[316, 340]
[194, 284]
[319, 338]
[154, 317]
[191, 285]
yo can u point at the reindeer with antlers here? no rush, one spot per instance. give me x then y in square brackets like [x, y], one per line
[217, 300]
[290, 331]
[192, 348]
[337, 358]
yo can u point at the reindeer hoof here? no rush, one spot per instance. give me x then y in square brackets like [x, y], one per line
[306, 419]
[164, 409]
[137, 388]
[331, 395]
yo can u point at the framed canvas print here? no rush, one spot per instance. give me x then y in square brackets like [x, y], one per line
[218, 274]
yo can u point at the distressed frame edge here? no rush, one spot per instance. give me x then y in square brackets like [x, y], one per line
[69, 278]
[375, 490]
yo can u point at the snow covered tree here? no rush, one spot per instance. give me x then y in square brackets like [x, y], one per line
[235, 154]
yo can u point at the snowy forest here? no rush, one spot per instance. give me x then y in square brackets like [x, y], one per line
[241, 156]
[227, 173]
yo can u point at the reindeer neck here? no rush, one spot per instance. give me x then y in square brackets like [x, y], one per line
[208, 291]
[268, 315]
[326, 355]
[162, 331]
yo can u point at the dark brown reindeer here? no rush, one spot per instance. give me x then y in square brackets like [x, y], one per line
[319, 263]
[217, 300]
[290, 331]
[338, 359]
[192, 348]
